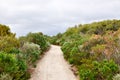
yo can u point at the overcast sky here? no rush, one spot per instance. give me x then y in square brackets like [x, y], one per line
[53, 16]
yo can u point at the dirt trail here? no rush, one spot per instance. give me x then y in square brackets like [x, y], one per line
[53, 67]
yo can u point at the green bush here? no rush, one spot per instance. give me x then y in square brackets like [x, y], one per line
[36, 38]
[55, 39]
[14, 51]
[8, 43]
[72, 51]
[31, 52]
[10, 64]
[99, 28]
[77, 57]
[66, 48]
[94, 70]
[39, 39]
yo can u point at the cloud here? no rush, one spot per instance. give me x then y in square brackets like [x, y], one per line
[53, 16]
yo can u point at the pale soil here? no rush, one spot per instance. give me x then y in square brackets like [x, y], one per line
[53, 67]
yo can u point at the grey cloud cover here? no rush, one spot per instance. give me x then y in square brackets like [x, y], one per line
[53, 16]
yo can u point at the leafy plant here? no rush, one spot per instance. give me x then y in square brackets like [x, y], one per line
[11, 65]
[31, 52]
[8, 62]
[8, 43]
[36, 38]
[94, 70]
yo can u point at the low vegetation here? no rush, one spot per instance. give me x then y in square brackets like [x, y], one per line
[17, 55]
[93, 48]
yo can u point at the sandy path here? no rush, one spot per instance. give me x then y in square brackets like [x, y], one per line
[53, 67]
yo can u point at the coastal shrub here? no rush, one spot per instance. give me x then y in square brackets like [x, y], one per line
[8, 43]
[11, 65]
[31, 52]
[94, 70]
[36, 38]
[8, 62]
[72, 50]
[39, 39]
